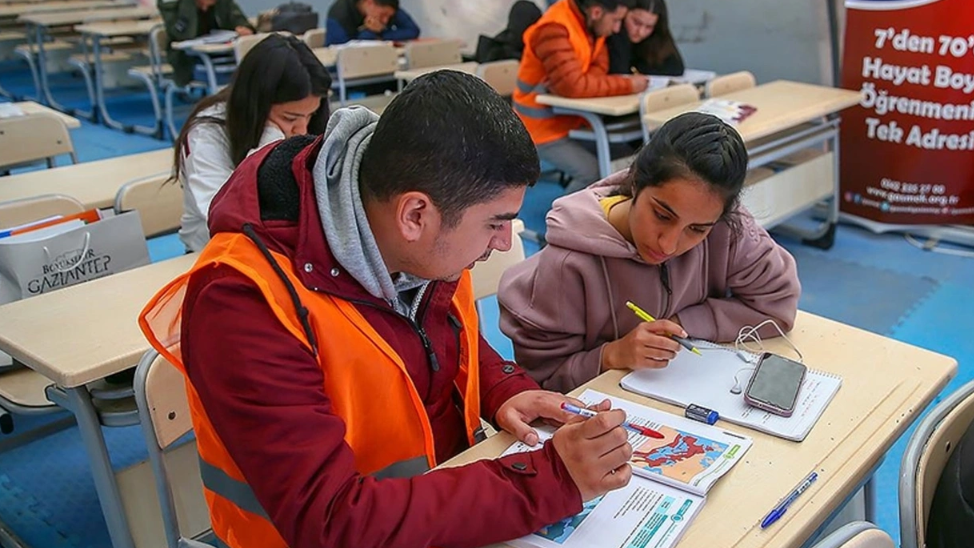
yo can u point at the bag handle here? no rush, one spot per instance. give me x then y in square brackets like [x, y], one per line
[84, 253]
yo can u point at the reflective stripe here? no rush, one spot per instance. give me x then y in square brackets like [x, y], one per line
[532, 112]
[403, 469]
[237, 492]
[523, 86]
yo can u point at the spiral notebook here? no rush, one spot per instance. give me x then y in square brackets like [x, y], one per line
[707, 381]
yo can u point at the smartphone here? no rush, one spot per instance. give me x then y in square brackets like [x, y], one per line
[775, 384]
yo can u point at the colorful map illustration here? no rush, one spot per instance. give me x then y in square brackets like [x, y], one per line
[560, 531]
[679, 455]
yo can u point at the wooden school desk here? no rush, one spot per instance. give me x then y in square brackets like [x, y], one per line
[790, 117]
[886, 384]
[82, 334]
[95, 33]
[30, 107]
[94, 184]
[13, 9]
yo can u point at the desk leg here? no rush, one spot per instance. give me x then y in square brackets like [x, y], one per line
[601, 138]
[10, 540]
[210, 72]
[100, 89]
[78, 400]
[869, 498]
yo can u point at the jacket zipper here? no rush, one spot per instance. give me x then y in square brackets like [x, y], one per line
[664, 276]
[417, 327]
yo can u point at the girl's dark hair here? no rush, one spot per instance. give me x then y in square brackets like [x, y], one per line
[279, 69]
[693, 146]
[660, 44]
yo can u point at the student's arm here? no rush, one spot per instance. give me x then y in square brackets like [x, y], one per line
[238, 18]
[179, 18]
[335, 33]
[402, 27]
[206, 164]
[763, 280]
[620, 54]
[542, 310]
[263, 392]
[671, 66]
[499, 380]
[565, 76]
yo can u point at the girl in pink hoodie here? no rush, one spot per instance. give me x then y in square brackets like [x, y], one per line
[670, 235]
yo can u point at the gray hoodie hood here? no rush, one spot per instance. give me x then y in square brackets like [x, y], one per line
[343, 216]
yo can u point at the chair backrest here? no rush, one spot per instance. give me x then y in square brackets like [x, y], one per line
[487, 275]
[365, 61]
[158, 42]
[160, 394]
[858, 534]
[26, 210]
[729, 83]
[315, 38]
[433, 53]
[160, 203]
[33, 137]
[243, 44]
[925, 458]
[500, 75]
[660, 99]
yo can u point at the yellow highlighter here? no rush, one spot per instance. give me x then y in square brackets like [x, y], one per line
[644, 316]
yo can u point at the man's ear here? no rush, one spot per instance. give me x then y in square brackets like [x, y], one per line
[595, 12]
[415, 215]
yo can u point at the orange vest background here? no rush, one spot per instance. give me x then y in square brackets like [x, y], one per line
[367, 382]
[542, 123]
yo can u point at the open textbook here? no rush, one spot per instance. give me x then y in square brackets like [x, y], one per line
[707, 380]
[671, 477]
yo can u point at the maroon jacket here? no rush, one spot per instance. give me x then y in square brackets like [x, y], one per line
[263, 392]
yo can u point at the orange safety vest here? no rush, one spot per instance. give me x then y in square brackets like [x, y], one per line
[542, 123]
[366, 381]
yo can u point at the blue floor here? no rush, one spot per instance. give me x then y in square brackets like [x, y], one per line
[877, 282]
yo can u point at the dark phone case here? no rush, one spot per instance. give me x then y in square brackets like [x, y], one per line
[767, 407]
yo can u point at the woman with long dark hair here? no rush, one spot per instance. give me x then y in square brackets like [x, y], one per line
[279, 90]
[645, 44]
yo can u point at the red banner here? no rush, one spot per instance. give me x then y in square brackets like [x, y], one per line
[907, 153]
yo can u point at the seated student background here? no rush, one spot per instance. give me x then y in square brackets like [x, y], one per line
[565, 54]
[188, 19]
[368, 20]
[669, 235]
[330, 337]
[645, 44]
[279, 90]
[509, 43]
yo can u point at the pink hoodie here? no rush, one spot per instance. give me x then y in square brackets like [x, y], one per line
[563, 304]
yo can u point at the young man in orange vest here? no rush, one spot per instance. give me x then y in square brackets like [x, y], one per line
[565, 54]
[330, 340]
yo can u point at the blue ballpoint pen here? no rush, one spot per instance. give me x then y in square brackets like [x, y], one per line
[782, 506]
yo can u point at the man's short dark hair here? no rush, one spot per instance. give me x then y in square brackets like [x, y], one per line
[610, 5]
[394, 4]
[452, 137]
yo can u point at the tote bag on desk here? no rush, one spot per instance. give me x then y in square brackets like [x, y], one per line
[49, 259]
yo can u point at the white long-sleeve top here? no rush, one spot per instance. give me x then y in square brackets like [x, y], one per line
[206, 168]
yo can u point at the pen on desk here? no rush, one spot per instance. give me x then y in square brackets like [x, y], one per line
[644, 316]
[782, 507]
[588, 413]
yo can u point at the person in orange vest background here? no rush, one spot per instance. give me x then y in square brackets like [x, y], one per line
[330, 340]
[565, 54]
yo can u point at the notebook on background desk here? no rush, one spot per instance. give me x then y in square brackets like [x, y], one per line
[707, 381]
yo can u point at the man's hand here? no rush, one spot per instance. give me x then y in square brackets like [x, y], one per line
[375, 25]
[243, 31]
[517, 413]
[639, 83]
[596, 452]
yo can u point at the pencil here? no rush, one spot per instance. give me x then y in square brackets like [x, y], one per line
[644, 316]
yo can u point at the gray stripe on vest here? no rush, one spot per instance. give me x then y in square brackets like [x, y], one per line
[532, 112]
[235, 491]
[525, 87]
[403, 469]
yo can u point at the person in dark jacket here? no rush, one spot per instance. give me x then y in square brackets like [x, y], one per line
[368, 20]
[509, 43]
[951, 523]
[645, 43]
[188, 19]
